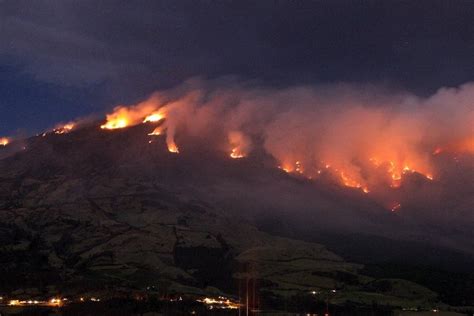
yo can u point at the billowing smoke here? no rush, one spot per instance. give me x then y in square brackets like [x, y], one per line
[361, 136]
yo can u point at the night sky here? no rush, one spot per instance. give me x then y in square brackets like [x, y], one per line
[64, 59]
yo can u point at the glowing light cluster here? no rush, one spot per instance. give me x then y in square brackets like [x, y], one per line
[54, 302]
[219, 303]
[352, 179]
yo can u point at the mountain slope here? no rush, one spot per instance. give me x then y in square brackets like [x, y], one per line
[98, 212]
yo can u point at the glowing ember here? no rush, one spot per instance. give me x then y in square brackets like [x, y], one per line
[299, 167]
[396, 207]
[4, 141]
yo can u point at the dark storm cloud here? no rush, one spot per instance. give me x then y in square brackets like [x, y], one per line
[122, 50]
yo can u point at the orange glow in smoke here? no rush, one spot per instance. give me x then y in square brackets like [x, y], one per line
[467, 146]
[463, 146]
[286, 167]
[396, 170]
[4, 141]
[438, 151]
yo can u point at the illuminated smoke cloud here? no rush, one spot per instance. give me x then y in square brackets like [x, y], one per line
[360, 135]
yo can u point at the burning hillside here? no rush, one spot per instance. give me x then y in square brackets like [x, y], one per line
[397, 150]
[361, 138]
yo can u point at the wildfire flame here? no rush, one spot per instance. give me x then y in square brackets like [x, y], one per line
[239, 144]
[157, 131]
[172, 148]
[115, 123]
[287, 168]
[64, 129]
[155, 117]
[236, 154]
[4, 141]
[352, 183]
[123, 116]
[351, 178]
[396, 172]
